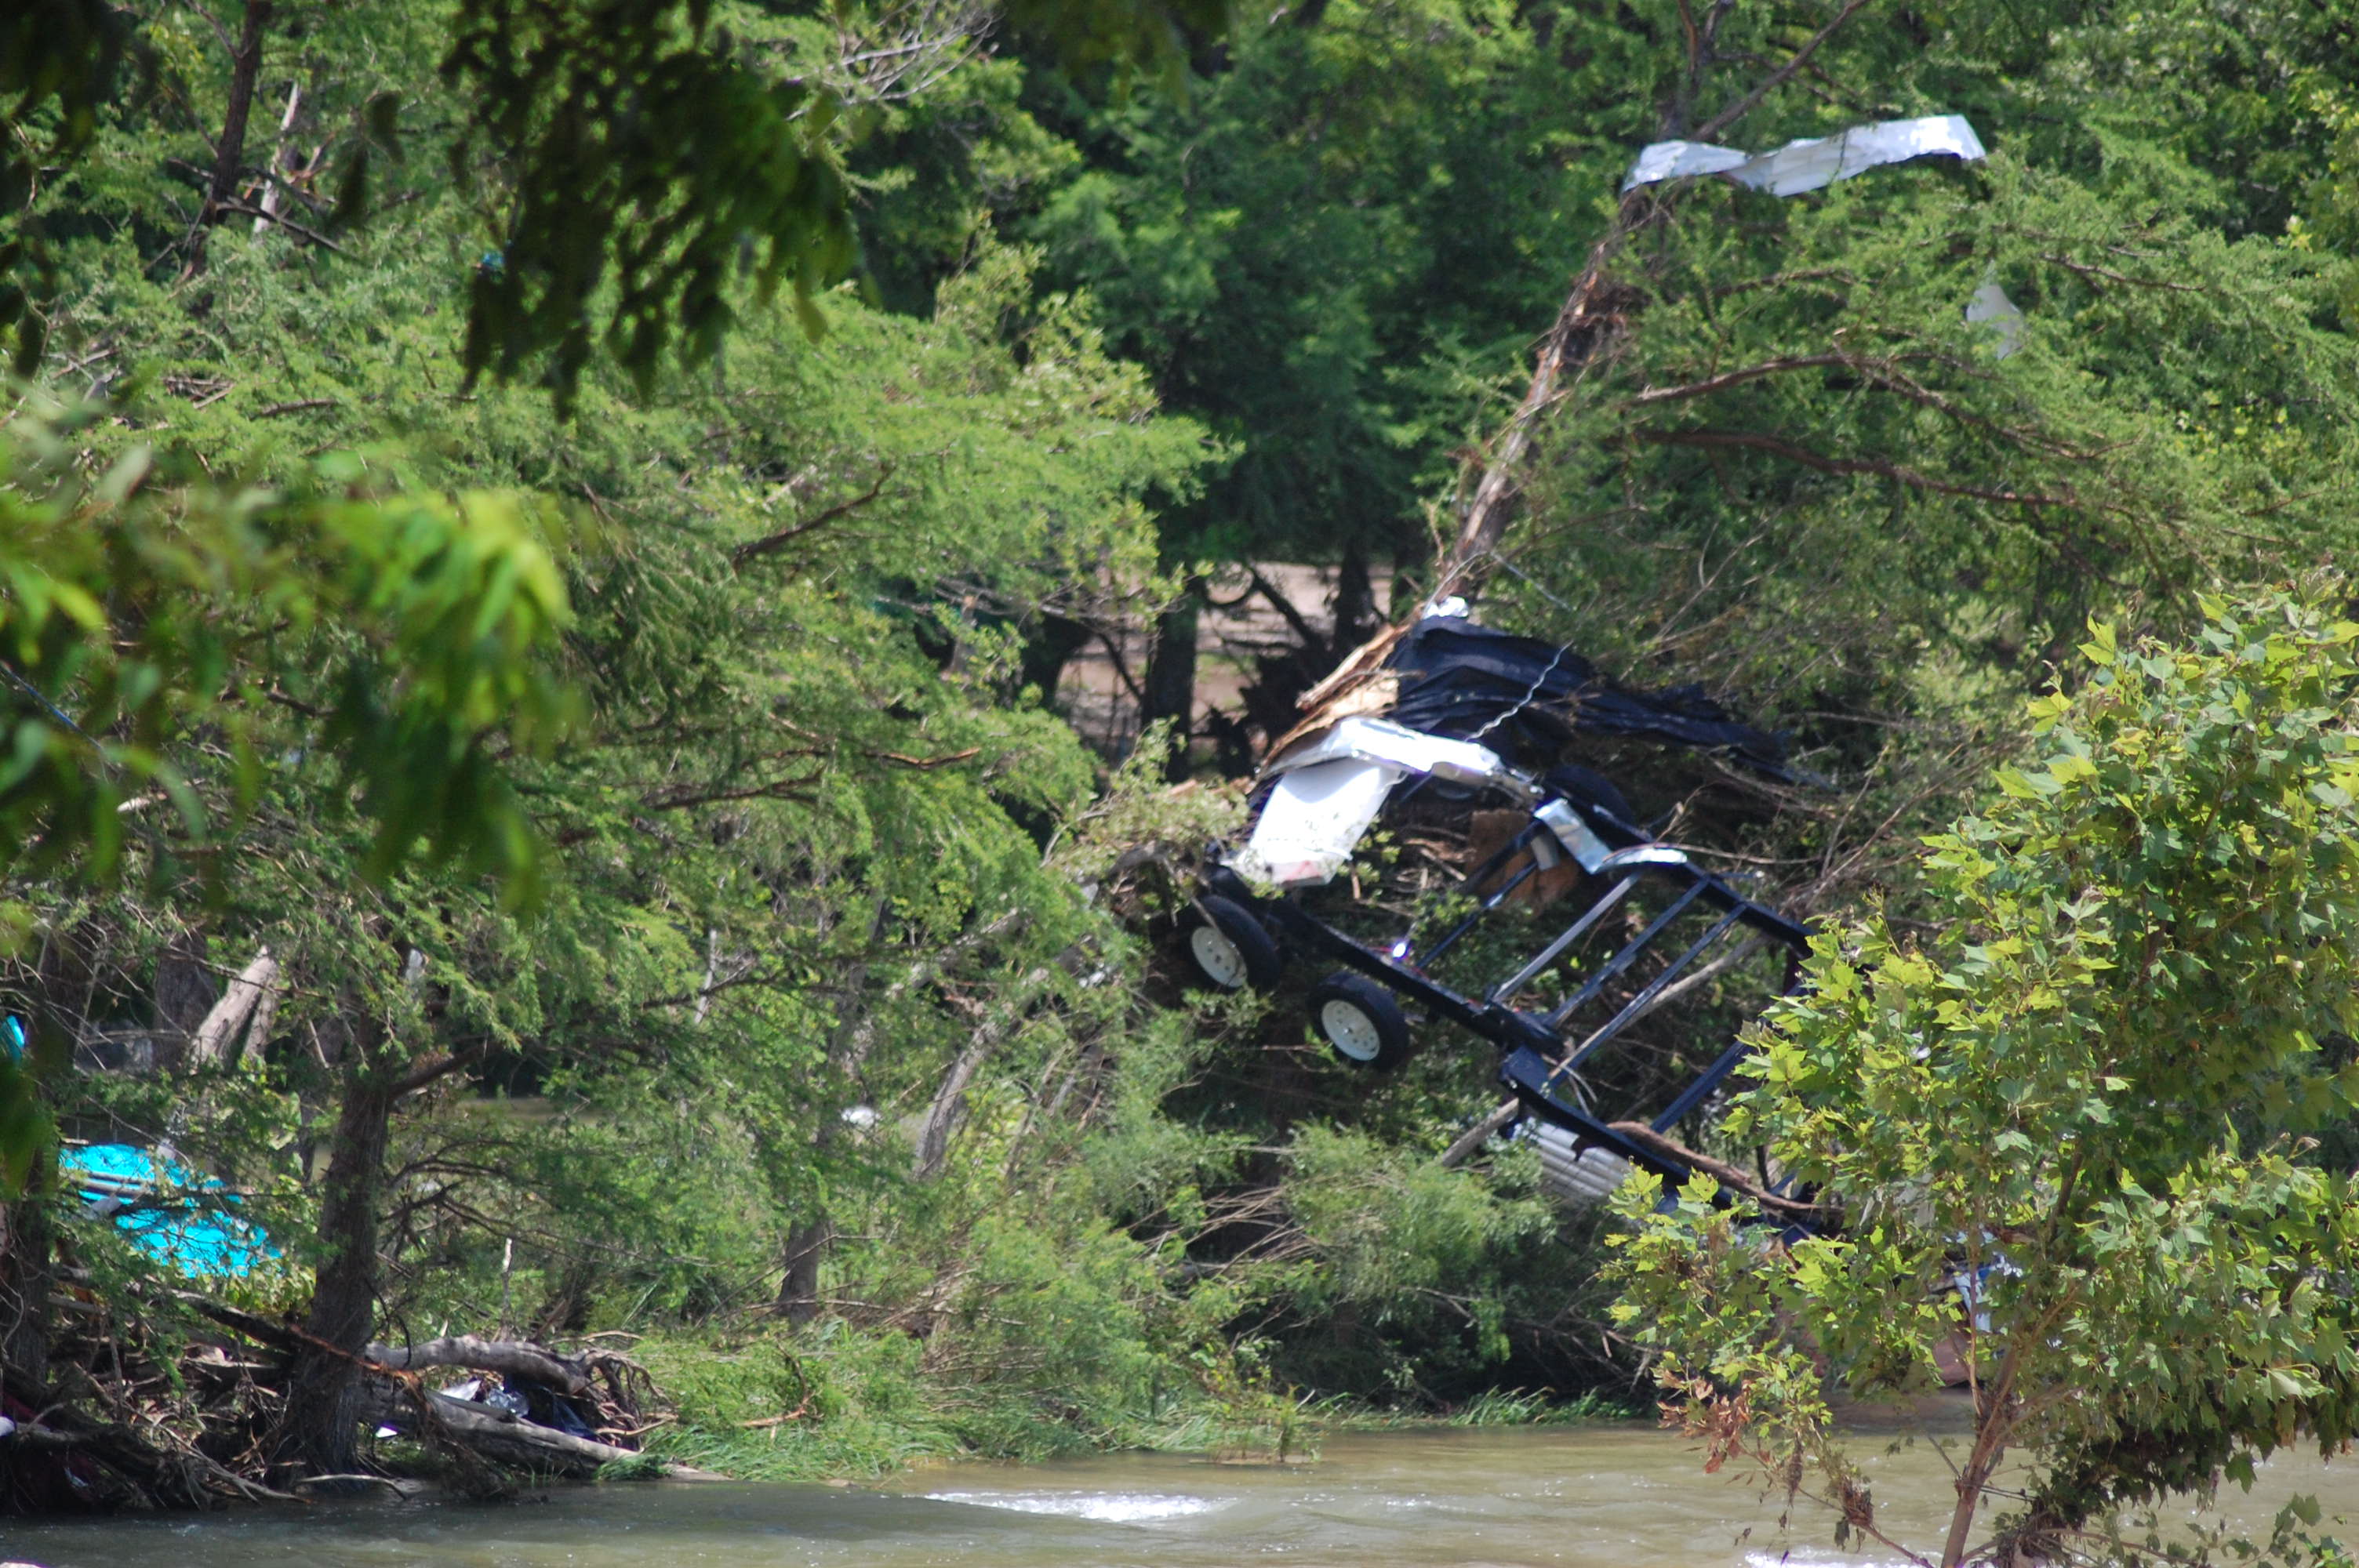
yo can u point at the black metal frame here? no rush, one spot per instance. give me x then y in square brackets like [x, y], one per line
[1526, 1039]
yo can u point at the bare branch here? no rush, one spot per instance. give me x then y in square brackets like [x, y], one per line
[1776, 78]
[771, 543]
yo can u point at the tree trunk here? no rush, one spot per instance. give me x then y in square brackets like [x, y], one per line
[1046, 652]
[806, 1250]
[324, 1402]
[229, 153]
[27, 1232]
[26, 1241]
[847, 1048]
[1171, 678]
[1994, 1420]
[1590, 318]
[1356, 603]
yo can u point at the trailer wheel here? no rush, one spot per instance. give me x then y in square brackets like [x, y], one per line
[1230, 948]
[1361, 1022]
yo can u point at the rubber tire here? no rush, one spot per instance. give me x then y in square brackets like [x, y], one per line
[1380, 1020]
[1260, 964]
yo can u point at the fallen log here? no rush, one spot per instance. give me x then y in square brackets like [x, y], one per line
[508, 1357]
[505, 1438]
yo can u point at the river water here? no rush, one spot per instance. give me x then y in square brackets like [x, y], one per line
[1605, 1496]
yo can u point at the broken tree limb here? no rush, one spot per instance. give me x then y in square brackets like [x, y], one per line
[217, 1041]
[1591, 313]
[1720, 1170]
[1584, 329]
[509, 1357]
[1589, 322]
[274, 194]
[1585, 325]
[950, 1099]
[504, 1438]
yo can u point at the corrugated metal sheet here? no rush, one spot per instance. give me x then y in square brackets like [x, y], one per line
[1586, 1177]
[1814, 164]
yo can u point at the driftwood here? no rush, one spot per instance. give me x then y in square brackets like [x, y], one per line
[177, 1477]
[509, 1357]
[394, 1393]
[504, 1438]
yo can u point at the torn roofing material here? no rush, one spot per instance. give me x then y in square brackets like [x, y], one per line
[1814, 164]
[1524, 698]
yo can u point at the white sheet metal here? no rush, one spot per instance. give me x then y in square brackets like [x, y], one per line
[1587, 1178]
[1399, 746]
[1329, 790]
[1990, 304]
[1815, 163]
[1580, 840]
[1670, 160]
[1313, 820]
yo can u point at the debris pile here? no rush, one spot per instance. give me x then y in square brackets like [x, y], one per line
[178, 1404]
[1462, 724]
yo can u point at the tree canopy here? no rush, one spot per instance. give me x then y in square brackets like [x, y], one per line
[539, 543]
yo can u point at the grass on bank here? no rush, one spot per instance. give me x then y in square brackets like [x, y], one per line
[836, 1403]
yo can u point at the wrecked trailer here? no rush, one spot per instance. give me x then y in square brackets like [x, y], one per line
[1470, 719]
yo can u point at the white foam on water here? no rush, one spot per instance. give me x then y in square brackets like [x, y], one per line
[1111, 1508]
[1808, 1557]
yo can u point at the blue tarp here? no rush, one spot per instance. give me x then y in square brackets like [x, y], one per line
[170, 1211]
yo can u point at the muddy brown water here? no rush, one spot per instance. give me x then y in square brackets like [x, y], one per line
[1605, 1496]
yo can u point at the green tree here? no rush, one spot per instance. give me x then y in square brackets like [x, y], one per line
[2087, 1095]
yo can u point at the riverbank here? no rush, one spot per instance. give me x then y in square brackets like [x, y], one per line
[839, 1405]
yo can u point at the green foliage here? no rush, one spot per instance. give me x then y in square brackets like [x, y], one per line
[1327, 267]
[2173, 415]
[2091, 1080]
[736, 667]
[66, 50]
[154, 600]
[647, 157]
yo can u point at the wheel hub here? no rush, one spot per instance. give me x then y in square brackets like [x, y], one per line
[1220, 959]
[1350, 1031]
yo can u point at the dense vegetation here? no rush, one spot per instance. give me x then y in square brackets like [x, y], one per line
[541, 540]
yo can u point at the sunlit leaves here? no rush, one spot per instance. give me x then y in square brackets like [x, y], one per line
[2093, 1079]
[152, 608]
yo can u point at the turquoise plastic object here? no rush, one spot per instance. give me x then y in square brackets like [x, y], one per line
[174, 1214]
